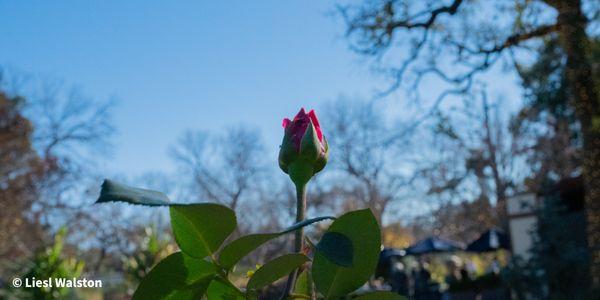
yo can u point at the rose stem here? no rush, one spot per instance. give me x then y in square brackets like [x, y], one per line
[299, 235]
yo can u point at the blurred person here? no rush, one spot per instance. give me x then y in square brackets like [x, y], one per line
[494, 266]
[471, 268]
[422, 283]
[399, 280]
[464, 275]
[412, 280]
[453, 275]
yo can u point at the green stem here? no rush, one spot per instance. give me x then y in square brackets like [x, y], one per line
[299, 235]
[300, 211]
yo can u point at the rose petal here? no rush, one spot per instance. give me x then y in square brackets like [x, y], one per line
[300, 115]
[315, 121]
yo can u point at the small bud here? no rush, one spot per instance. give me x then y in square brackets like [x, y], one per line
[304, 149]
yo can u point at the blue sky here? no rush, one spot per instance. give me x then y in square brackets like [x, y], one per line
[177, 65]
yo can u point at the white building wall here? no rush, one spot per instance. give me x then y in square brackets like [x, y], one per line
[522, 223]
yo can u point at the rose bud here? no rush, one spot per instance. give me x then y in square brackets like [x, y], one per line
[304, 150]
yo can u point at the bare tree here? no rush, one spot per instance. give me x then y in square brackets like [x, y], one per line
[471, 170]
[455, 41]
[20, 168]
[66, 133]
[546, 129]
[369, 170]
[72, 133]
[226, 168]
[474, 159]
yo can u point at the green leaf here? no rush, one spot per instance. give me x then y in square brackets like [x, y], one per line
[223, 290]
[200, 229]
[178, 276]
[233, 252]
[303, 284]
[276, 269]
[381, 295]
[337, 248]
[361, 228]
[114, 191]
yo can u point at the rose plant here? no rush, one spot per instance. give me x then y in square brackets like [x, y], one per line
[342, 260]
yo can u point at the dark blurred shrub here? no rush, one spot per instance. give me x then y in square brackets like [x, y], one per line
[151, 250]
[558, 266]
[50, 263]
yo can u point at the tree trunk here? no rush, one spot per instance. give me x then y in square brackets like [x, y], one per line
[494, 164]
[584, 95]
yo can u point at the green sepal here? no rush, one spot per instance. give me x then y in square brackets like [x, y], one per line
[323, 157]
[301, 171]
[310, 147]
[287, 153]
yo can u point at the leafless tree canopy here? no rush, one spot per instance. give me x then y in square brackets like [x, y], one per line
[59, 133]
[452, 41]
[371, 171]
[225, 168]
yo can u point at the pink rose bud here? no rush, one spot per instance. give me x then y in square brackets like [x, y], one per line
[304, 150]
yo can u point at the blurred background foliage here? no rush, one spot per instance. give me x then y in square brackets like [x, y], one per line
[53, 261]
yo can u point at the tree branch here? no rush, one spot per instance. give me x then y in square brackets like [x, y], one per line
[433, 15]
[517, 38]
